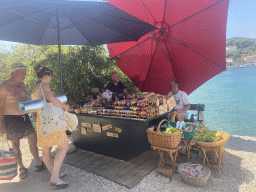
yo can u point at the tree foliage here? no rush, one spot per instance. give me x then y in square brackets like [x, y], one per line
[245, 47]
[83, 67]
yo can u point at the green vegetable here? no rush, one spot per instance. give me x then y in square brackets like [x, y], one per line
[171, 130]
[208, 136]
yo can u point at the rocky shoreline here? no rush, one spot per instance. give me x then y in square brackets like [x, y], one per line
[238, 174]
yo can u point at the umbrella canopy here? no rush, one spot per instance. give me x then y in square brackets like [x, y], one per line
[189, 44]
[59, 22]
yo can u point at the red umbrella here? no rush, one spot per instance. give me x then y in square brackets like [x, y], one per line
[189, 44]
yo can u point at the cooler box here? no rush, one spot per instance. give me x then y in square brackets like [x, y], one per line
[186, 135]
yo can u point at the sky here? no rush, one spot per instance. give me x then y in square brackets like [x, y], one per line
[241, 20]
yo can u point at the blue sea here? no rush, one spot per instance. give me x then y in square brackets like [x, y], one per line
[230, 100]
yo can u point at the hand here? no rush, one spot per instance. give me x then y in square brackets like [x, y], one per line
[66, 108]
[2, 130]
[125, 91]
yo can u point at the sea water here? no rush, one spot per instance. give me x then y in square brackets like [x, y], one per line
[230, 101]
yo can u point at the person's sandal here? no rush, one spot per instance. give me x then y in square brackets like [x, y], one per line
[59, 185]
[40, 167]
[62, 174]
[23, 174]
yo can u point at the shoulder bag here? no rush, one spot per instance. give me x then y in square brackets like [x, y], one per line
[52, 118]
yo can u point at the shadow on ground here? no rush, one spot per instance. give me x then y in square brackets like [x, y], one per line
[240, 144]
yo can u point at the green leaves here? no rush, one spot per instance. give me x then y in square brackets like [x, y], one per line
[245, 47]
[83, 67]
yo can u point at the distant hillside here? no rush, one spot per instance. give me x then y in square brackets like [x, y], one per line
[245, 47]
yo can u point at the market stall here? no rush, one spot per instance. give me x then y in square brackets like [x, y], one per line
[119, 130]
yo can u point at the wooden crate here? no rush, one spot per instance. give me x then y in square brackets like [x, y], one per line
[163, 109]
[162, 100]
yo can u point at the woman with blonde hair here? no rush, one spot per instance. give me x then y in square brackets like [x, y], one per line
[58, 138]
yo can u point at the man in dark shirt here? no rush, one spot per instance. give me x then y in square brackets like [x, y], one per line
[115, 85]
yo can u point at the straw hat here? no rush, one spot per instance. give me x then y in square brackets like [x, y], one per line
[17, 66]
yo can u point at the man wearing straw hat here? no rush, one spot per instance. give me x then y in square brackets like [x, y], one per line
[12, 121]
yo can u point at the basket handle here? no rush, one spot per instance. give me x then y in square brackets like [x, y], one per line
[158, 128]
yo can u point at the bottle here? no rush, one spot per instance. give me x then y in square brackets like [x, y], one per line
[178, 124]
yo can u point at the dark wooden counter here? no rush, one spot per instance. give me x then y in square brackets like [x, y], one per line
[125, 140]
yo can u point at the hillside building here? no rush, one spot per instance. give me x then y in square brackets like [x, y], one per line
[231, 48]
[229, 60]
[250, 59]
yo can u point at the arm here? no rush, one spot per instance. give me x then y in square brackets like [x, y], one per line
[50, 97]
[125, 91]
[34, 116]
[124, 88]
[3, 93]
[185, 108]
[186, 103]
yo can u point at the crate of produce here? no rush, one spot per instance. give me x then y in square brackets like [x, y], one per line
[163, 140]
[186, 135]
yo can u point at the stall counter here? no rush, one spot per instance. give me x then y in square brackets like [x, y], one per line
[121, 138]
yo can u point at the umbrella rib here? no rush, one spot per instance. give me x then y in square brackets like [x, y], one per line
[195, 14]
[197, 52]
[148, 11]
[162, 49]
[67, 27]
[135, 45]
[30, 18]
[169, 57]
[46, 28]
[150, 64]
[164, 10]
[78, 30]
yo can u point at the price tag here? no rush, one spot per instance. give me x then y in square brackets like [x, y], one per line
[118, 130]
[106, 127]
[86, 124]
[83, 131]
[97, 128]
[112, 134]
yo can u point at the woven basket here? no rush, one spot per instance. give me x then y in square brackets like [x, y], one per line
[224, 139]
[8, 163]
[194, 181]
[169, 141]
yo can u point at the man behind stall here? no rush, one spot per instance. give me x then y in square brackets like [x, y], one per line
[182, 101]
[115, 85]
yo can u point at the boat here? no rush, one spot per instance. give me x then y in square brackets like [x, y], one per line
[241, 66]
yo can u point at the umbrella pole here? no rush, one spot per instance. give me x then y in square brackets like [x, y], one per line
[59, 49]
[60, 66]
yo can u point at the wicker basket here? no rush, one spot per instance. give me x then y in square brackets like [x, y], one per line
[169, 141]
[194, 181]
[224, 139]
